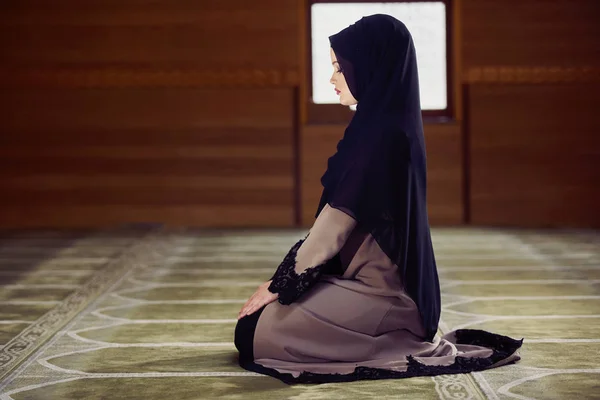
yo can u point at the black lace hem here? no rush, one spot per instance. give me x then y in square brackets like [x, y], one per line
[502, 347]
[287, 283]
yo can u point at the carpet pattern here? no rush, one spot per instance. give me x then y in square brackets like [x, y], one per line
[150, 315]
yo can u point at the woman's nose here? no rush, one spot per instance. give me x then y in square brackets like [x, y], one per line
[332, 79]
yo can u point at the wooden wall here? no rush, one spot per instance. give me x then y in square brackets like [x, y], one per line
[123, 111]
[191, 113]
[532, 87]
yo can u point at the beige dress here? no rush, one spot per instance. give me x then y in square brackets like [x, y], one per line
[358, 324]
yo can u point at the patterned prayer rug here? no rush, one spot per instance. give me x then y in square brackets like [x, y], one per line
[146, 314]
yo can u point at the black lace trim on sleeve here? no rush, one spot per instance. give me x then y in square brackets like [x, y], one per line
[287, 283]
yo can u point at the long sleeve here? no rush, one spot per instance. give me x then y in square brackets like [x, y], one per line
[312, 256]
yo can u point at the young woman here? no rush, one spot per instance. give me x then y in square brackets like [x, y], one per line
[359, 297]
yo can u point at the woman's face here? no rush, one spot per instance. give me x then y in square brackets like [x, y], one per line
[338, 80]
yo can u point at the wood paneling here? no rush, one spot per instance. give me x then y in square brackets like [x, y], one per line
[147, 110]
[226, 216]
[444, 173]
[143, 77]
[185, 112]
[152, 109]
[131, 155]
[444, 164]
[317, 144]
[535, 154]
[532, 74]
[530, 33]
[156, 32]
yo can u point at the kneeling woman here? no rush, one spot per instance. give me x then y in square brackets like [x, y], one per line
[359, 297]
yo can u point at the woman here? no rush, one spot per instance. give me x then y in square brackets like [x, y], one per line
[359, 297]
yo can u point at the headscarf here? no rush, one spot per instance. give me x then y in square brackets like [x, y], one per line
[378, 174]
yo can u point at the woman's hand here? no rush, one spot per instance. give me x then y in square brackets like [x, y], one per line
[259, 299]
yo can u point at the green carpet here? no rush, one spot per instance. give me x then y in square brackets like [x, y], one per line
[150, 315]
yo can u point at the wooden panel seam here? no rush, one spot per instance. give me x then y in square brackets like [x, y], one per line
[531, 74]
[89, 77]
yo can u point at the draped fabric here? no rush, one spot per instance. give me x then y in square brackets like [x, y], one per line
[378, 174]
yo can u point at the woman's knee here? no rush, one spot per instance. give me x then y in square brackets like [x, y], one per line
[244, 334]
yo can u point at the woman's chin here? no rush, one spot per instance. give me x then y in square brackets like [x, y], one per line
[348, 102]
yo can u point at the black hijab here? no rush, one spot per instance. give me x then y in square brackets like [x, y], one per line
[378, 174]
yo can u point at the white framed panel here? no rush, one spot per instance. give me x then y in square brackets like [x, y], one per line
[426, 22]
